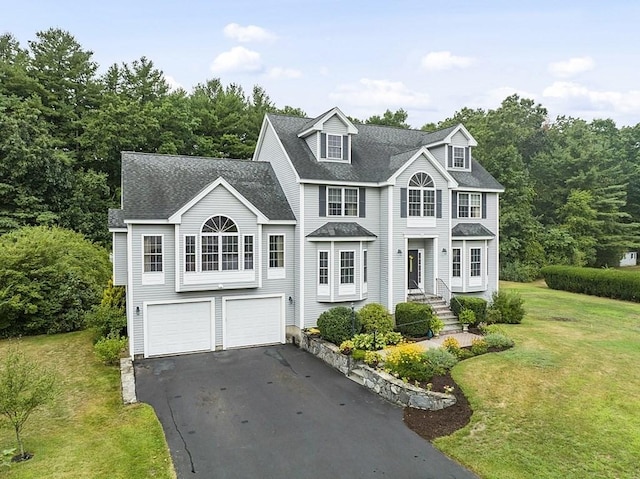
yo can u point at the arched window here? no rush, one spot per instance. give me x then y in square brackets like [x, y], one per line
[422, 195]
[220, 244]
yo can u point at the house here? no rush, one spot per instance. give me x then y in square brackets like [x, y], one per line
[629, 258]
[218, 253]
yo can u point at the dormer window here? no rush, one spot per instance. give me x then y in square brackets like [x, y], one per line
[334, 147]
[458, 157]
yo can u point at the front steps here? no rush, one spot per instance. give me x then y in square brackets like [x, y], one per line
[440, 308]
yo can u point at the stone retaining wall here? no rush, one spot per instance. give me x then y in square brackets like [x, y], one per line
[384, 384]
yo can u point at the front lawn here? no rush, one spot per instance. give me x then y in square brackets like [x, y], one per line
[88, 432]
[564, 401]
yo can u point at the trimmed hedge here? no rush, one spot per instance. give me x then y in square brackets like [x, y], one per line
[413, 319]
[607, 283]
[475, 304]
[375, 317]
[335, 325]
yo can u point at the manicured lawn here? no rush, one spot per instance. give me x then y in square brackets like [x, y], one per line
[88, 433]
[565, 402]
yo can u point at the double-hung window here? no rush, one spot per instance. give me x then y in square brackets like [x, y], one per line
[334, 147]
[276, 268]
[458, 157]
[422, 196]
[456, 263]
[347, 267]
[476, 262]
[190, 253]
[469, 205]
[219, 245]
[342, 201]
[152, 254]
[248, 252]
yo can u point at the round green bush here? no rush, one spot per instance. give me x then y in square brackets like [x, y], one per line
[440, 360]
[375, 317]
[510, 305]
[497, 340]
[335, 325]
[413, 319]
[109, 350]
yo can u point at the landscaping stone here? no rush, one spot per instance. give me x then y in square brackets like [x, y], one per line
[127, 379]
[387, 386]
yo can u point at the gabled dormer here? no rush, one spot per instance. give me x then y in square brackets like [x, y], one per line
[459, 143]
[329, 136]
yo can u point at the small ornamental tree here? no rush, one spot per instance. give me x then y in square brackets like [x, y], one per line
[24, 387]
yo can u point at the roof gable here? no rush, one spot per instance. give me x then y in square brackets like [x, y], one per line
[317, 123]
[405, 160]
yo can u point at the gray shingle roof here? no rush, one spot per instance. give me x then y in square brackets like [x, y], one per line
[156, 186]
[376, 153]
[341, 230]
[116, 219]
[470, 230]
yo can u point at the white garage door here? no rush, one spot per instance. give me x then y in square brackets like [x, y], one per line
[253, 321]
[178, 328]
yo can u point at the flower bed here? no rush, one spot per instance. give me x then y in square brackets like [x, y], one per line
[387, 386]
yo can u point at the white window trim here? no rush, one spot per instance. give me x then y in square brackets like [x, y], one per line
[334, 158]
[195, 253]
[152, 277]
[347, 289]
[342, 202]
[453, 160]
[253, 252]
[469, 194]
[475, 280]
[324, 289]
[279, 272]
[364, 266]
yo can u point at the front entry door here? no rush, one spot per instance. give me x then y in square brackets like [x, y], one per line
[413, 269]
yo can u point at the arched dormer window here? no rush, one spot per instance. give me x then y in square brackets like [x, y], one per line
[220, 244]
[422, 196]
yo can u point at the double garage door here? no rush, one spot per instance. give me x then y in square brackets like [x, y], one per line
[189, 326]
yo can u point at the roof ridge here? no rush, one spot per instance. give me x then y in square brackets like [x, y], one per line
[185, 157]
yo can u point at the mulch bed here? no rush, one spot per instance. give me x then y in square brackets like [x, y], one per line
[432, 424]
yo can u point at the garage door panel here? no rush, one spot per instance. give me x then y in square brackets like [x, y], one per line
[178, 328]
[253, 321]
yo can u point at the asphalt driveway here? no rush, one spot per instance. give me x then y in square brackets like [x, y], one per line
[277, 412]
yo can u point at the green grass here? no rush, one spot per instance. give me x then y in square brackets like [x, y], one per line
[87, 432]
[565, 401]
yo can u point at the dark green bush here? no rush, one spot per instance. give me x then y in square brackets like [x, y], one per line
[607, 283]
[375, 317]
[49, 279]
[413, 319]
[519, 272]
[104, 320]
[335, 324]
[510, 304]
[475, 304]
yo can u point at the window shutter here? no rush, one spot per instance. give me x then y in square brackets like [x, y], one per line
[467, 155]
[454, 204]
[438, 203]
[363, 203]
[323, 145]
[484, 205]
[450, 154]
[345, 147]
[403, 202]
[322, 200]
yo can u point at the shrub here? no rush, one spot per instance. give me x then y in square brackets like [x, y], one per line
[50, 278]
[519, 272]
[375, 317]
[114, 297]
[369, 342]
[392, 338]
[510, 305]
[493, 328]
[372, 358]
[407, 362]
[464, 354]
[467, 316]
[473, 303]
[494, 316]
[105, 320]
[108, 350]
[335, 324]
[358, 354]
[436, 324]
[346, 347]
[452, 345]
[413, 319]
[479, 346]
[440, 360]
[497, 340]
[607, 283]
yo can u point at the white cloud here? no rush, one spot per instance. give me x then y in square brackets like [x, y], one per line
[571, 67]
[173, 83]
[437, 61]
[279, 72]
[238, 59]
[580, 97]
[380, 93]
[250, 33]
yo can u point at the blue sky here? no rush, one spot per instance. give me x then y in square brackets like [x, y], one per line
[432, 58]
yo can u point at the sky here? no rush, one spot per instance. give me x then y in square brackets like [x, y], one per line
[431, 58]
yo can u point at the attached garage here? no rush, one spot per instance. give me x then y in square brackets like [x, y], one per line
[252, 320]
[178, 327]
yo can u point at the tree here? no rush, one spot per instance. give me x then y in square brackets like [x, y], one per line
[397, 119]
[24, 387]
[50, 278]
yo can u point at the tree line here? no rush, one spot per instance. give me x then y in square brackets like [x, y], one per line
[572, 191]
